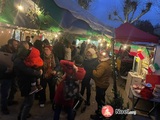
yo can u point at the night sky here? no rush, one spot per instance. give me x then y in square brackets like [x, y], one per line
[102, 8]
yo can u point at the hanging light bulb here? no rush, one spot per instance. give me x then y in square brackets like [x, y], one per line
[56, 36]
[99, 40]
[20, 7]
[89, 40]
[124, 47]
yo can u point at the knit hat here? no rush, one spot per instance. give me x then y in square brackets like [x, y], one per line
[49, 47]
[34, 59]
[92, 51]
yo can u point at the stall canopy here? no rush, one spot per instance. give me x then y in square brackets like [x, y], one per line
[53, 15]
[127, 33]
[81, 14]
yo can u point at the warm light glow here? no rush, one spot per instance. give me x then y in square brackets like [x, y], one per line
[2, 32]
[108, 45]
[103, 53]
[124, 47]
[101, 44]
[89, 40]
[20, 7]
[56, 36]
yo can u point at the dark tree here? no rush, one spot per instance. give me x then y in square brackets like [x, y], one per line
[129, 10]
[144, 25]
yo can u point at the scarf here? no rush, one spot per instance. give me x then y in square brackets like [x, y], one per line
[49, 65]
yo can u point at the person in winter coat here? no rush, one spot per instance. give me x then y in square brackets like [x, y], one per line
[101, 75]
[25, 75]
[90, 63]
[50, 68]
[34, 60]
[8, 87]
[69, 68]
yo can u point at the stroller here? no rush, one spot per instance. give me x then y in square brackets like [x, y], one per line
[79, 103]
[79, 100]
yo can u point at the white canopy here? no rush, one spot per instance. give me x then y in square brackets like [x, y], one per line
[82, 14]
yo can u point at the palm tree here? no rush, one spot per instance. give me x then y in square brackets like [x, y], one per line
[129, 9]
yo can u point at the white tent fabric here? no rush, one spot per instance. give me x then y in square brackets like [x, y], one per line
[80, 13]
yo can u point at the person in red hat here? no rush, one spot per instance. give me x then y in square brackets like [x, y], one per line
[79, 72]
[50, 68]
[34, 60]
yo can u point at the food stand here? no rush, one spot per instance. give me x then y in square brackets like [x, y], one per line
[143, 64]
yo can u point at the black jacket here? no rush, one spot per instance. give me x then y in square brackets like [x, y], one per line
[3, 70]
[89, 66]
[25, 75]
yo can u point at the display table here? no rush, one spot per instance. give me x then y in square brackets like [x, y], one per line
[132, 78]
[137, 97]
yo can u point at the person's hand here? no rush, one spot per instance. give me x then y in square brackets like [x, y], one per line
[54, 72]
[41, 71]
[75, 68]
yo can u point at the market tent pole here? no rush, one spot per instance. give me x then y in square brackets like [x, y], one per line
[114, 70]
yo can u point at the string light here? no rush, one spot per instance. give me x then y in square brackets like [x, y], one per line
[56, 36]
[20, 7]
[124, 47]
[89, 40]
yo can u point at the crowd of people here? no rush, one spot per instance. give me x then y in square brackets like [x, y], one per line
[38, 64]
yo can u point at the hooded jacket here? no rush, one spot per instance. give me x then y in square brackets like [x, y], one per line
[102, 74]
[34, 59]
[67, 67]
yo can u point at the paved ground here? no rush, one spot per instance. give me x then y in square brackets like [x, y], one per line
[46, 113]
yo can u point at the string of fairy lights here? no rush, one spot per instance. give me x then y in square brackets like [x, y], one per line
[50, 35]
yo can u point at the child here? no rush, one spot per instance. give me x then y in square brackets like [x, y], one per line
[34, 60]
[69, 68]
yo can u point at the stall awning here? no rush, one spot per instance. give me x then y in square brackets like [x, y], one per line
[127, 33]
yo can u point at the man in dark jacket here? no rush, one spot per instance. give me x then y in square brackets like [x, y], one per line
[8, 84]
[25, 75]
[90, 63]
[59, 50]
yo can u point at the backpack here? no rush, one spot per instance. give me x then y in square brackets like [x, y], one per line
[71, 87]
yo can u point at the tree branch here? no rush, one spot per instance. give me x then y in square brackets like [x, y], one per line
[144, 12]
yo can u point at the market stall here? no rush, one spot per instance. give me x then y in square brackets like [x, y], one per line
[145, 62]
